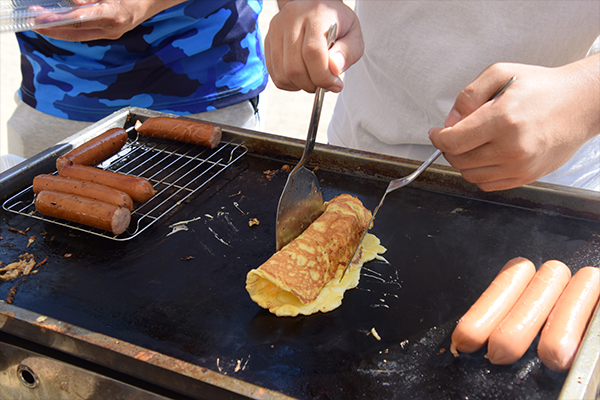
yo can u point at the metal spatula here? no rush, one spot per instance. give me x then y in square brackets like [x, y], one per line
[401, 182]
[301, 201]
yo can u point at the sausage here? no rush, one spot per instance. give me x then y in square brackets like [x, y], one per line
[82, 188]
[83, 210]
[566, 324]
[474, 328]
[96, 150]
[138, 188]
[182, 130]
[511, 339]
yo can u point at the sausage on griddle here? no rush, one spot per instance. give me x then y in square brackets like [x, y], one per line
[566, 324]
[474, 328]
[511, 339]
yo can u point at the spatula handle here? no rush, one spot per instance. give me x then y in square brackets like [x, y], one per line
[316, 111]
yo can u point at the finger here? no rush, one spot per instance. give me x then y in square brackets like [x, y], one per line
[482, 156]
[480, 127]
[465, 136]
[503, 184]
[274, 60]
[315, 53]
[294, 65]
[96, 22]
[84, 2]
[496, 177]
[283, 58]
[347, 50]
[477, 93]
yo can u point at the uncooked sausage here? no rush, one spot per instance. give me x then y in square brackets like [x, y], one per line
[83, 210]
[566, 324]
[182, 130]
[511, 339]
[474, 328]
[96, 150]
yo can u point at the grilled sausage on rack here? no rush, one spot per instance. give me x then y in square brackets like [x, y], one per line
[96, 150]
[182, 130]
[140, 189]
[78, 187]
[83, 210]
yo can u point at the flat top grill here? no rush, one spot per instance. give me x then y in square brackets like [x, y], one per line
[182, 294]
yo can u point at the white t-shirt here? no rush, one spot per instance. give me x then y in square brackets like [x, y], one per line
[420, 54]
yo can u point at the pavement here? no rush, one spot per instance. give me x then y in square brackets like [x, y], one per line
[287, 113]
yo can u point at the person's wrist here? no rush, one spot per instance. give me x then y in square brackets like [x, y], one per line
[282, 3]
[592, 76]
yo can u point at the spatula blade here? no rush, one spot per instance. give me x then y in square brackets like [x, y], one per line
[301, 202]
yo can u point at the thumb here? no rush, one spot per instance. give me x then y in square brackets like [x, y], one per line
[346, 51]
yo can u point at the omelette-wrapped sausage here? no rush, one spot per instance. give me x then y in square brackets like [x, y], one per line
[182, 130]
[82, 188]
[304, 266]
[83, 210]
[140, 189]
[96, 150]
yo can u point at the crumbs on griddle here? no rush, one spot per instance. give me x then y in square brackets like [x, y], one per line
[23, 266]
[10, 298]
[253, 222]
[270, 173]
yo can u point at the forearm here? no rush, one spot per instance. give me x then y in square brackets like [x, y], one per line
[587, 77]
[156, 6]
[282, 3]
[121, 17]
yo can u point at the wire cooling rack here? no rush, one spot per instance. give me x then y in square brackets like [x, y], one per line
[176, 172]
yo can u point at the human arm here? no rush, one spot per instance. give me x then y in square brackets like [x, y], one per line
[535, 127]
[296, 50]
[128, 15]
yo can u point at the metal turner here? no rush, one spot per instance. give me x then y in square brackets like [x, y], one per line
[301, 201]
[401, 182]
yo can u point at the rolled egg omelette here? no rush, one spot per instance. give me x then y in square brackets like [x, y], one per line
[304, 276]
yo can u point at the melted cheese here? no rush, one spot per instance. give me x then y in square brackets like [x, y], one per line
[283, 303]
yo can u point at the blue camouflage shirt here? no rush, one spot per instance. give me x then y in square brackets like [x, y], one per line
[194, 57]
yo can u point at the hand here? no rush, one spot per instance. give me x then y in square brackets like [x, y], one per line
[296, 51]
[532, 129]
[123, 16]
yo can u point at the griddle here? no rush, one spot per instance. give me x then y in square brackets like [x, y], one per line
[171, 309]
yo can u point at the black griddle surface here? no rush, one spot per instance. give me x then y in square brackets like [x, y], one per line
[184, 294]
